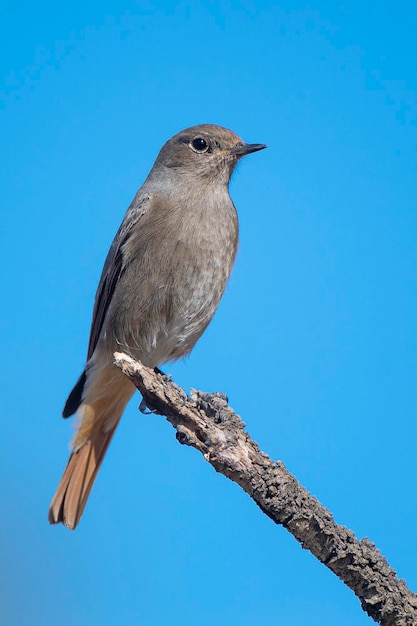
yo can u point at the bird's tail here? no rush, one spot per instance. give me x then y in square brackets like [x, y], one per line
[104, 397]
[70, 498]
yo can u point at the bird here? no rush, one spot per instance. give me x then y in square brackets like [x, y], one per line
[161, 283]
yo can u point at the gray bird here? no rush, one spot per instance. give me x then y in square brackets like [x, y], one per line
[161, 283]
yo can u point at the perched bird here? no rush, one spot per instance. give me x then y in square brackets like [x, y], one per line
[161, 283]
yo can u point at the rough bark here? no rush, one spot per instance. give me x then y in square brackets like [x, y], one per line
[206, 422]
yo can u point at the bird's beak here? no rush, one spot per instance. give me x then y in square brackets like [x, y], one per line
[246, 148]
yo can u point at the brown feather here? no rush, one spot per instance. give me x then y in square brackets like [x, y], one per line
[105, 397]
[71, 496]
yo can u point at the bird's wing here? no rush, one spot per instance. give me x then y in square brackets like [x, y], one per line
[114, 266]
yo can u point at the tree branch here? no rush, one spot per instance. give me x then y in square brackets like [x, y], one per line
[206, 422]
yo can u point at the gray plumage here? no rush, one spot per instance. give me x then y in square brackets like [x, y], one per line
[161, 283]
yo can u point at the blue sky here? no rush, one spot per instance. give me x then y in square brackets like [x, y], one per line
[315, 341]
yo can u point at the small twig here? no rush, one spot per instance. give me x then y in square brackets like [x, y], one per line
[207, 423]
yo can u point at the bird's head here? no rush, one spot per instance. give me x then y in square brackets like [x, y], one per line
[206, 152]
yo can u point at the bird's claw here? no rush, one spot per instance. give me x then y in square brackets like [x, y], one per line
[147, 409]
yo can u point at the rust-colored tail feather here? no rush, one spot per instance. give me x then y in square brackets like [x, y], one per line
[70, 498]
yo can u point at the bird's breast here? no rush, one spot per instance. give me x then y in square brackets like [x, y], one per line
[176, 268]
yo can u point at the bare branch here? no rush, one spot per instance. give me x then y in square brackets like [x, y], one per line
[206, 422]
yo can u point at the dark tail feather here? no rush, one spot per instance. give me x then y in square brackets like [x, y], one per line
[75, 397]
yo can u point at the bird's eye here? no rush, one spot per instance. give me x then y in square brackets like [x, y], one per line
[199, 145]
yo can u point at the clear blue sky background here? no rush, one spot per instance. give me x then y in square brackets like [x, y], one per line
[316, 338]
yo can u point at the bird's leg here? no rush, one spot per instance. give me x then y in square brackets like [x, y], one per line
[144, 407]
